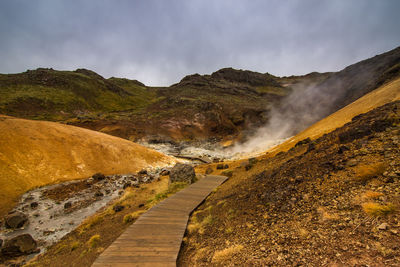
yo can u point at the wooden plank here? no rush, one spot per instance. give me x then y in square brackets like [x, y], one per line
[155, 238]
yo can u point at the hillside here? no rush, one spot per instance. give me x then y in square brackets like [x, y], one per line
[35, 153]
[331, 202]
[227, 104]
[384, 94]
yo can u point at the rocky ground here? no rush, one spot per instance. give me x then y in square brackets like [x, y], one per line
[333, 201]
[47, 214]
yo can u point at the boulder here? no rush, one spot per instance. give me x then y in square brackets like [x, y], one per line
[222, 166]
[98, 176]
[182, 173]
[19, 245]
[142, 172]
[209, 170]
[118, 208]
[164, 172]
[15, 220]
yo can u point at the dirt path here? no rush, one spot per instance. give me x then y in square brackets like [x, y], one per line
[155, 238]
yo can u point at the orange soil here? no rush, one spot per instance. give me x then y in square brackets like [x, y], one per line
[36, 153]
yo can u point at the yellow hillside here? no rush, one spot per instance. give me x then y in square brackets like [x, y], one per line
[35, 153]
[387, 93]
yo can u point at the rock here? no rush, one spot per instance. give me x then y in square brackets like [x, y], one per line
[142, 172]
[15, 220]
[252, 160]
[209, 170]
[98, 176]
[343, 148]
[182, 173]
[67, 205]
[118, 208]
[98, 194]
[34, 205]
[141, 205]
[222, 166]
[1, 242]
[19, 245]
[352, 163]
[126, 185]
[383, 226]
[303, 142]
[248, 166]
[164, 172]
[263, 249]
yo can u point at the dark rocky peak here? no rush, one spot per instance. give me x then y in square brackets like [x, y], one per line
[244, 76]
[195, 79]
[124, 81]
[89, 73]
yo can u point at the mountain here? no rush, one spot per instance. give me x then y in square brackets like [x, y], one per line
[36, 153]
[228, 104]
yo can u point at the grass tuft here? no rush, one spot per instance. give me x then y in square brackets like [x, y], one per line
[94, 241]
[375, 209]
[221, 256]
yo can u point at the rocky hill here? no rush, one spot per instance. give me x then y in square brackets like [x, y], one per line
[332, 201]
[227, 104]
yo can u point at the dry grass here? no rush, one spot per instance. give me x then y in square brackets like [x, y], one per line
[327, 216]
[132, 216]
[75, 245]
[371, 195]
[364, 172]
[375, 209]
[94, 241]
[226, 254]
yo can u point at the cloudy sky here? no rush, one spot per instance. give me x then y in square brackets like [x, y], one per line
[160, 41]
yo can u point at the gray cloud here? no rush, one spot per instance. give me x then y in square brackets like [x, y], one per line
[158, 42]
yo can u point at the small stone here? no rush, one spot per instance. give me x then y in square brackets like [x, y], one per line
[118, 208]
[142, 172]
[220, 166]
[67, 205]
[352, 163]
[34, 205]
[263, 249]
[98, 194]
[164, 172]
[141, 205]
[98, 176]
[383, 226]
[209, 170]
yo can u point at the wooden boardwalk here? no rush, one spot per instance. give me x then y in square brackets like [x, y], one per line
[155, 238]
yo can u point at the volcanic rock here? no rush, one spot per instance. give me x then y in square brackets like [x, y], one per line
[19, 245]
[118, 208]
[182, 173]
[209, 170]
[98, 176]
[15, 220]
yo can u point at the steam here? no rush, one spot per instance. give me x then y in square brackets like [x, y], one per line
[303, 107]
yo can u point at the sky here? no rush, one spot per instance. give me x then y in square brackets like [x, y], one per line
[158, 42]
